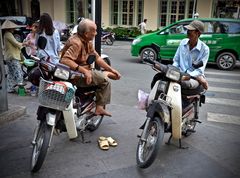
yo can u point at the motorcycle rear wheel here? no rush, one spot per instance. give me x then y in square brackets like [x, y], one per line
[109, 41]
[40, 147]
[147, 150]
[189, 127]
[95, 123]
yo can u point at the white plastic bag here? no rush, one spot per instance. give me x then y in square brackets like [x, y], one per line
[142, 99]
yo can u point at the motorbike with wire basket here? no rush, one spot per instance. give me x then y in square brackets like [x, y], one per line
[170, 109]
[63, 107]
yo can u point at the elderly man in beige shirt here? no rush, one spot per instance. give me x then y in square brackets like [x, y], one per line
[75, 53]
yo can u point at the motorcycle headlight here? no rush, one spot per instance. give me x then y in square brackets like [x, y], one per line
[136, 41]
[174, 75]
[62, 73]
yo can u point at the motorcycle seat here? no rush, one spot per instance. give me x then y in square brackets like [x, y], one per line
[82, 90]
[192, 92]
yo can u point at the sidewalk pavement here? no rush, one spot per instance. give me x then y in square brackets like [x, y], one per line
[13, 112]
[17, 106]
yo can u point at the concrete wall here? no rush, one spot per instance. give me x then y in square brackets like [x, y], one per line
[106, 13]
[204, 8]
[26, 5]
[151, 13]
[57, 10]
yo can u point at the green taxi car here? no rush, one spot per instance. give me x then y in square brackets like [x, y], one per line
[221, 35]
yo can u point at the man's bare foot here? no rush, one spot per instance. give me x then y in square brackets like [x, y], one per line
[101, 111]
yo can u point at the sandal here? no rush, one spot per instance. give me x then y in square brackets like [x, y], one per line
[103, 143]
[111, 141]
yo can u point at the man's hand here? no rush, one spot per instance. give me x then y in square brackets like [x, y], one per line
[114, 74]
[88, 76]
[117, 74]
[203, 82]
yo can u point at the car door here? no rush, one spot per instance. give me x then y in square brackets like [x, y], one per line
[174, 35]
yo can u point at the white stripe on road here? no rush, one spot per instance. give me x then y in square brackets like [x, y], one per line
[224, 118]
[223, 73]
[218, 80]
[225, 90]
[223, 101]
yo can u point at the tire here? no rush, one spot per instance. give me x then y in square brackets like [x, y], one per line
[189, 127]
[109, 41]
[146, 151]
[95, 122]
[41, 146]
[226, 61]
[148, 53]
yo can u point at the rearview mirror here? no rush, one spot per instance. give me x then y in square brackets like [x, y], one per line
[197, 64]
[91, 59]
[24, 53]
[42, 42]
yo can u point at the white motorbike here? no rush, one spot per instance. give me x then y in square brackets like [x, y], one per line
[166, 112]
[63, 107]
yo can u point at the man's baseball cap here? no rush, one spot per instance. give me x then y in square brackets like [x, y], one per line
[195, 25]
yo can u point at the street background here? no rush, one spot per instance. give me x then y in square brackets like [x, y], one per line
[213, 150]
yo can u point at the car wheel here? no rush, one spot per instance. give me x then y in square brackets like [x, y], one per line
[148, 53]
[226, 61]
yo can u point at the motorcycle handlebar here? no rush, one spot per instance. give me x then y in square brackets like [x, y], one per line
[157, 65]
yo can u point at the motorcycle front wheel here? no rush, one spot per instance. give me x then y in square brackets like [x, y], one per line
[40, 146]
[147, 149]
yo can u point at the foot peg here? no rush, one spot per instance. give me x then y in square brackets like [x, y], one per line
[191, 130]
[196, 120]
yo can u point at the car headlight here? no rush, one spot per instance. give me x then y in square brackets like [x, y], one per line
[136, 41]
[173, 74]
[62, 73]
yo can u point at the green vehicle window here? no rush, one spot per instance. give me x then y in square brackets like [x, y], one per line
[231, 27]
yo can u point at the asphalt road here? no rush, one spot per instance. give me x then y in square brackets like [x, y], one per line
[213, 150]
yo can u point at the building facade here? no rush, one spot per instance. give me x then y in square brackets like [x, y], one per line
[126, 13]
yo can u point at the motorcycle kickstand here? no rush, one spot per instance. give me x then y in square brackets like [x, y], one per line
[180, 144]
[169, 140]
[179, 141]
[83, 137]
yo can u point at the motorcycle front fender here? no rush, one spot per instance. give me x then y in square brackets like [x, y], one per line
[160, 109]
[69, 120]
[174, 92]
[51, 119]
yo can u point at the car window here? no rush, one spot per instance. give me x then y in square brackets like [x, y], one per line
[208, 27]
[231, 27]
[222, 27]
[177, 29]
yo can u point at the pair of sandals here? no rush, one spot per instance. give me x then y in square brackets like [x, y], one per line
[105, 142]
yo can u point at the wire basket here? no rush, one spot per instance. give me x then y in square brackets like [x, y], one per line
[55, 94]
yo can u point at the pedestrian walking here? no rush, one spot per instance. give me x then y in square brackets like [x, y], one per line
[143, 26]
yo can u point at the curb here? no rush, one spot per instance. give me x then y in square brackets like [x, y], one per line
[14, 112]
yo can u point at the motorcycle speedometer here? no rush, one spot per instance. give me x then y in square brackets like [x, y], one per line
[172, 74]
